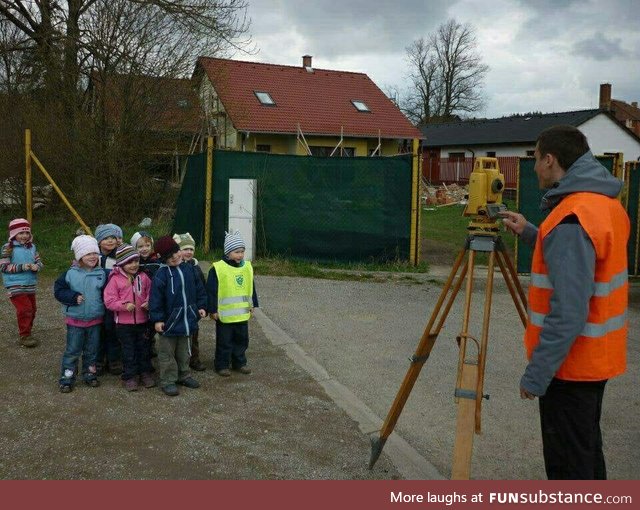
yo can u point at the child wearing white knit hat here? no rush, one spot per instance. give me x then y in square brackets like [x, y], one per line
[79, 289]
[232, 298]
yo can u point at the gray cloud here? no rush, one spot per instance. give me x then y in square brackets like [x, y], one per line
[599, 47]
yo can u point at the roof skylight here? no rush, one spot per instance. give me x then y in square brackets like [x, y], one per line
[360, 105]
[264, 98]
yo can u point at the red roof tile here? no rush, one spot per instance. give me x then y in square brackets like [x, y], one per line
[319, 101]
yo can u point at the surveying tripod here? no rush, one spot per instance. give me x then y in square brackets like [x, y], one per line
[470, 378]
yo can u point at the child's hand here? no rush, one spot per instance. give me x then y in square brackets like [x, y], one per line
[80, 299]
[251, 311]
[145, 305]
[159, 327]
[130, 307]
[214, 316]
[203, 313]
[35, 268]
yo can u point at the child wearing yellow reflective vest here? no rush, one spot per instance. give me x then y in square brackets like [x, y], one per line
[232, 297]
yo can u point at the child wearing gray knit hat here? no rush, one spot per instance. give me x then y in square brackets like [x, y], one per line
[232, 298]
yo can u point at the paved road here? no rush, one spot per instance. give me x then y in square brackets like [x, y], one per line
[363, 333]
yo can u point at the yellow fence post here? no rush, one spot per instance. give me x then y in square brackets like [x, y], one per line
[27, 178]
[207, 198]
[414, 245]
[61, 194]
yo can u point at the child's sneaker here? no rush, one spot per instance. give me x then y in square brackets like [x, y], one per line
[170, 390]
[147, 380]
[66, 388]
[93, 383]
[189, 382]
[28, 341]
[225, 372]
[131, 384]
[243, 370]
[115, 368]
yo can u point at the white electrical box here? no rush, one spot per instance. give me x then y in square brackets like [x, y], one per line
[242, 212]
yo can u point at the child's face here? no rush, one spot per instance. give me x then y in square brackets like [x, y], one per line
[187, 254]
[132, 267]
[108, 244]
[236, 255]
[144, 247]
[23, 237]
[90, 260]
[174, 260]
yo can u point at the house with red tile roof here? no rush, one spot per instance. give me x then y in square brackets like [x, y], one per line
[625, 113]
[298, 109]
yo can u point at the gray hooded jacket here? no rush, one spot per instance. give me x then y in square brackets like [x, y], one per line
[571, 259]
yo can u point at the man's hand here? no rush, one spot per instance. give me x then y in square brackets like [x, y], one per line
[159, 327]
[513, 222]
[524, 394]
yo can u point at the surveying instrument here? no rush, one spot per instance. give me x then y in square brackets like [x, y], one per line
[484, 205]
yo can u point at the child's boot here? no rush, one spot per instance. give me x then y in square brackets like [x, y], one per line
[28, 341]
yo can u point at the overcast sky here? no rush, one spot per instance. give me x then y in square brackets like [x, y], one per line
[544, 55]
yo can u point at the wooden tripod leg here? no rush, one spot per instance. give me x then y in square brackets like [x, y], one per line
[513, 284]
[465, 389]
[421, 355]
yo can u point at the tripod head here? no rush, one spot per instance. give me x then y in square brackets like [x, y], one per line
[486, 184]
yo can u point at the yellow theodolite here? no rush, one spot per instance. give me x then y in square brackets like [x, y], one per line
[486, 184]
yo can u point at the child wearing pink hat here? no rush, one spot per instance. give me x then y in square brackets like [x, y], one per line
[19, 265]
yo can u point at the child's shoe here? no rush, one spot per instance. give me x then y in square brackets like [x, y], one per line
[28, 341]
[93, 383]
[198, 366]
[147, 380]
[115, 368]
[66, 388]
[171, 390]
[131, 384]
[225, 372]
[189, 382]
[243, 370]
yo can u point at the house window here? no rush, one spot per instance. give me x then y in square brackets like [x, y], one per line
[531, 154]
[457, 156]
[263, 148]
[347, 152]
[491, 154]
[264, 98]
[360, 105]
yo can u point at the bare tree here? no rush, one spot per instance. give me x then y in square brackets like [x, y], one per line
[446, 74]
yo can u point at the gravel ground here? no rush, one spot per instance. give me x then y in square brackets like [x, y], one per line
[274, 424]
[363, 333]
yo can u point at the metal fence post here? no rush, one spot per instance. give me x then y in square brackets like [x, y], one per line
[208, 197]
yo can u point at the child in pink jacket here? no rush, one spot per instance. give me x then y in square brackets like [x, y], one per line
[127, 295]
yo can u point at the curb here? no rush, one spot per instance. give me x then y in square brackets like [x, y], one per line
[405, 458]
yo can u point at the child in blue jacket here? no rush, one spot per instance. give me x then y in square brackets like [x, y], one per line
[178, 301]
[79, 289]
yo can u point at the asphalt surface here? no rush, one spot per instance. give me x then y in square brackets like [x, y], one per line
[362, 335]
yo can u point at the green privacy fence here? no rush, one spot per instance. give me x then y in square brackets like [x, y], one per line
[528, 203]
[319, 208]
[632, 180]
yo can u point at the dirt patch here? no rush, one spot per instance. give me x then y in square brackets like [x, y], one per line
[274, 424]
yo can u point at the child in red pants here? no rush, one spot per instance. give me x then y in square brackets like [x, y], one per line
[19, 265]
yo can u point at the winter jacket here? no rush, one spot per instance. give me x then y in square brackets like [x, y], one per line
[78, 281]
[13, 272]
[121, 289]
[176, 296]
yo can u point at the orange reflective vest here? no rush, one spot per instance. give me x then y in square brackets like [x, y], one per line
[600, 351]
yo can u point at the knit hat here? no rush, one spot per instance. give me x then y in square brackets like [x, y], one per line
[107, 230]
[125, 254]
[19, 225]
[185, 241]
[165, 247]
[83, 245]
[232, 242]
[139, 235]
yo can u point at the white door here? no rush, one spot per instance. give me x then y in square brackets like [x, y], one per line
[242, 211]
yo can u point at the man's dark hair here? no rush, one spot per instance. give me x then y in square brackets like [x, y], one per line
[566, 143]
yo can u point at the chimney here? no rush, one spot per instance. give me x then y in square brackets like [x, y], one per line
[306, 61]
[605, 96]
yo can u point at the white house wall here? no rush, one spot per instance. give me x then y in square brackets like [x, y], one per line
[605, 135]
[481, 150]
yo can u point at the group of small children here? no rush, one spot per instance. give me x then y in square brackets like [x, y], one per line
[116, 296]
